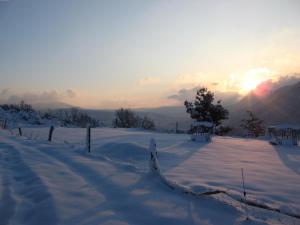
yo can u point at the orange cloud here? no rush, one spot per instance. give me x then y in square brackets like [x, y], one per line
[149, 81]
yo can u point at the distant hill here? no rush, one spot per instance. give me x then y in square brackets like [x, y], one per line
[105, 117]
[279, 106]
[165, 118]
[51, 105]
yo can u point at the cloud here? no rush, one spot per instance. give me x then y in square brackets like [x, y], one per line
[230, 94]
[193, 81]
[269, 86]
[189, 80]
[11, 97]
[252, 77]
[258, 72]
[184, 94]
[114, 104]
[70, 93]
[227, 98]
[286, 80]
[232, 84]
[149, 81]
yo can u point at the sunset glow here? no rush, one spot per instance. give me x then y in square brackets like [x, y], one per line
[249, 84]
[138, 53]
[129, 112]
[253, 78]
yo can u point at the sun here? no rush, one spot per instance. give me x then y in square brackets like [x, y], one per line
[253, 78]
[250, 84]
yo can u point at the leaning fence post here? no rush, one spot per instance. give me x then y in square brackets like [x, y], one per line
[5, 123]
[20, 131]
[88, 138]
[153, 161]
[50, 133]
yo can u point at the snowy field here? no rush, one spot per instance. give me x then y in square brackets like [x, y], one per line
[59, 183]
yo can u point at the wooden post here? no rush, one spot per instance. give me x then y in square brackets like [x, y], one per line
[245, 193]
[176, 129]
[20, 131]
[153, 162]
[50, 133]
[88, 138]
[5, 123]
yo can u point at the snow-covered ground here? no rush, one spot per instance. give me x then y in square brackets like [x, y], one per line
[59, 183]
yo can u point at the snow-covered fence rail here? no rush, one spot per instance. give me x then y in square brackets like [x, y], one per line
[201, 137]
[30, 133]
[284, 134]
[75, 137]
[71, 136]
[155, 168]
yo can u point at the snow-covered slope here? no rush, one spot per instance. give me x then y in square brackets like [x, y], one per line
[58, 183]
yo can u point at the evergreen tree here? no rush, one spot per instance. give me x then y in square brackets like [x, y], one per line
[204, 108]
[253, 125]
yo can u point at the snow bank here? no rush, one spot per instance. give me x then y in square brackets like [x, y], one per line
[124, 151]
[58, 183]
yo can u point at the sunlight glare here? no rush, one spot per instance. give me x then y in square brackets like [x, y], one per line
[253, 78]
[250, 84]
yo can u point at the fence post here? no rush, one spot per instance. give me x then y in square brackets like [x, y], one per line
[88, 138]
[50, 133]
[20, 131]
[153, 162]
[5, 123]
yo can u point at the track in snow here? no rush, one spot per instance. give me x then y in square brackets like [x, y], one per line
[43, 183]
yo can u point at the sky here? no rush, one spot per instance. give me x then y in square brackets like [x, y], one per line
[138, 53]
